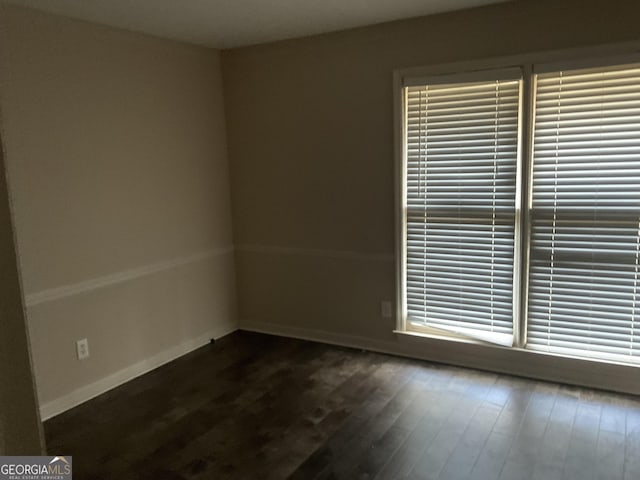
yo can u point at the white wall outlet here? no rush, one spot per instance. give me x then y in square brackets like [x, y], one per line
[82, 348]
[385, 309]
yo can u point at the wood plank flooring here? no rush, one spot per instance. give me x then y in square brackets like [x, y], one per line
[255, 406]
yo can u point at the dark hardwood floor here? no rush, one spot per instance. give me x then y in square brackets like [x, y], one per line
[261, 407]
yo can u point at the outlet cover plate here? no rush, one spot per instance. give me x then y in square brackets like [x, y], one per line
[82, 349]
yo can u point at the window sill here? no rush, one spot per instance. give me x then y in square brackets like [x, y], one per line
[416, 338]
[413, 336]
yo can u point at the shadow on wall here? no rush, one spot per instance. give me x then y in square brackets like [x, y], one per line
[20, 427]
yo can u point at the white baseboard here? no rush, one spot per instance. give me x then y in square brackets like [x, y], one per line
[87, 392]
[520, 362]
[322, 336]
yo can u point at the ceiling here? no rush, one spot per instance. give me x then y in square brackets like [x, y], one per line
[233, 23]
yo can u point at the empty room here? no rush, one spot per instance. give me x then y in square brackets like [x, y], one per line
[296, 239]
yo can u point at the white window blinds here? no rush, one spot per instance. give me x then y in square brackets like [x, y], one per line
[583, 288]
[461, 147]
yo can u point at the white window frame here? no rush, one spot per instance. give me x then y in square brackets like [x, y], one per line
[531, 64]
[468, 77]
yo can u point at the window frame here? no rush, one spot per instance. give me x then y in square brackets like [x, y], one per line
[530, 65]
[499, 74]
[616, 63]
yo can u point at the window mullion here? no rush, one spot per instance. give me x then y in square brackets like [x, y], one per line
[524, 194]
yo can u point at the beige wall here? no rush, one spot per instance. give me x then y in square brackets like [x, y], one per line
[20, 430]
[116, 151]
[311, 150]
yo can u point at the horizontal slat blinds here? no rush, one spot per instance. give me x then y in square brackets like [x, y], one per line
[583, 294]
[460, 182]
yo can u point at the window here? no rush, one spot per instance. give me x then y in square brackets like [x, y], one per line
[583, 294]
[463, 178]
[462, 151]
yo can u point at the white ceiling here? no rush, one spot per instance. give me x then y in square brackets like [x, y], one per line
[233, 23]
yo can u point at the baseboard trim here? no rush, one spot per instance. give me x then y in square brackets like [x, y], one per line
[50, 294]
[321, 336]
[87, 392]
[524, 363]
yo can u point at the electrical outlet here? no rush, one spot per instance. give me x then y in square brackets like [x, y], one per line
[385, 309]
[82, 348]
